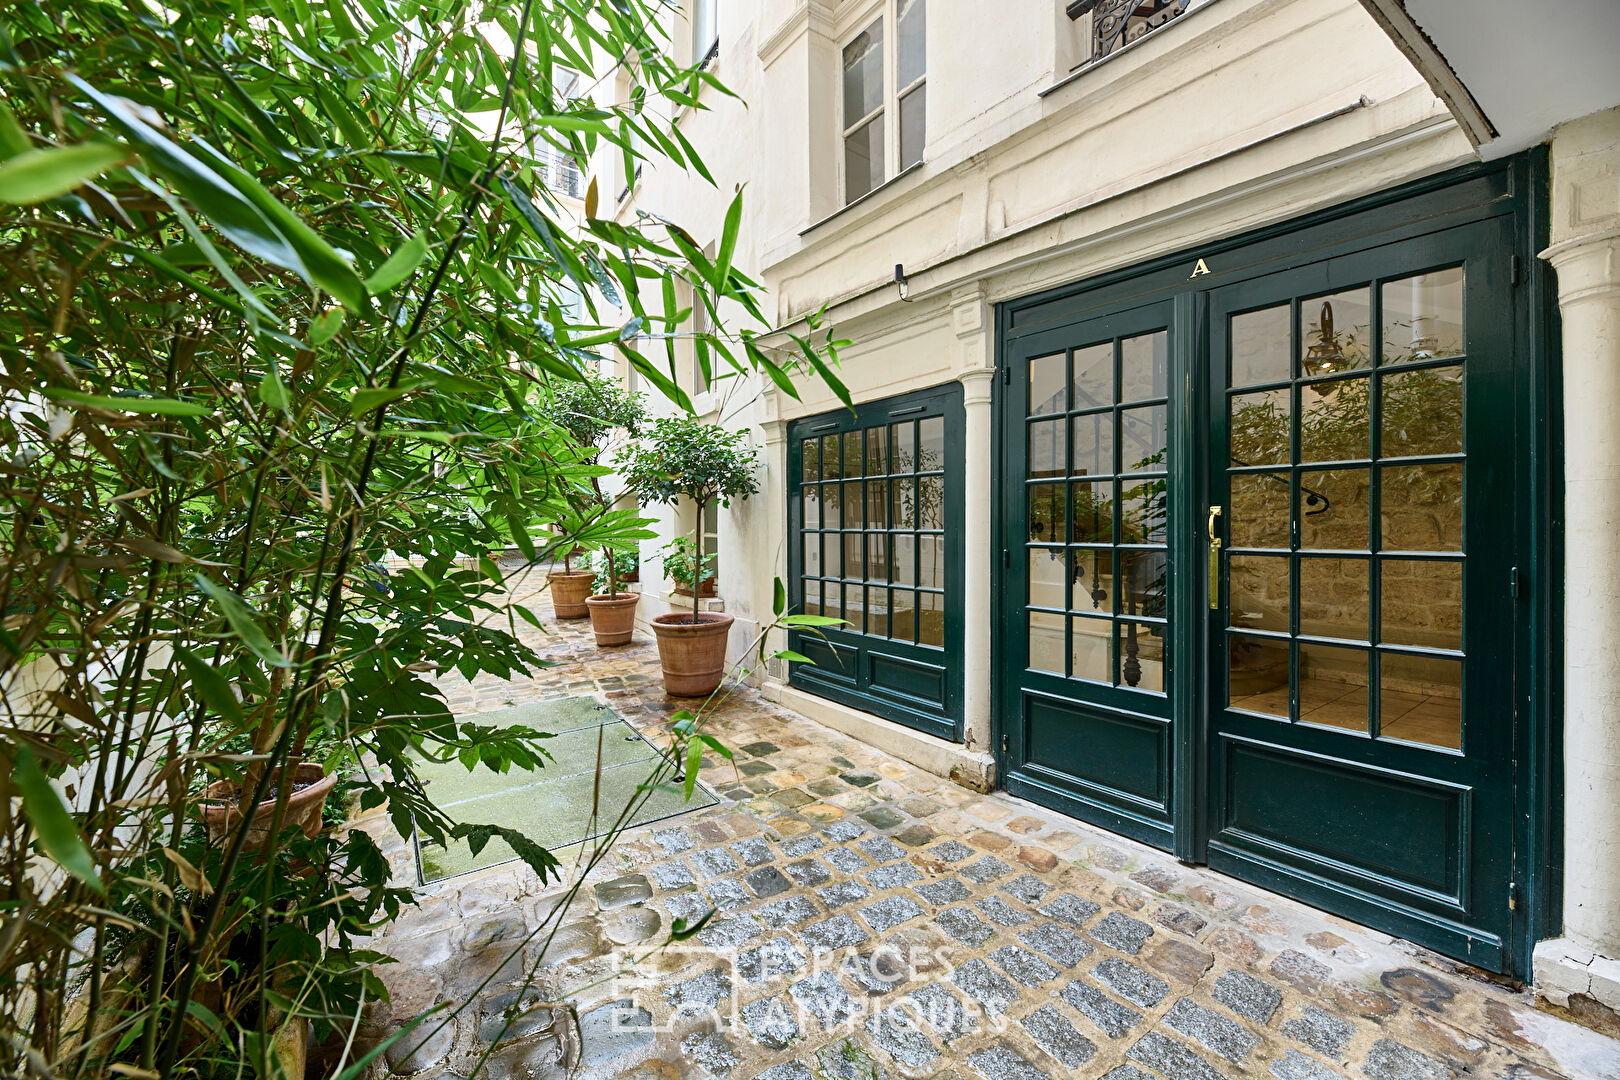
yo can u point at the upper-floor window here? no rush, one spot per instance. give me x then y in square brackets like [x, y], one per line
[705, 31]
[884, 96]
[1116, 23]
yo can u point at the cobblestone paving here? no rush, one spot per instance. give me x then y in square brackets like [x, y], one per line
[874, 921]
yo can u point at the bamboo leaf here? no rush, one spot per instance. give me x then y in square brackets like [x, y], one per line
[13, 140]
[210, 685]
[272, 391]
[46, 172]
[154, 405]
[399, 266]
[57, 832]
[324, 327]
[243, 620]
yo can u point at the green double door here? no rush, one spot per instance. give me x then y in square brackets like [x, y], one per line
[1261, 560]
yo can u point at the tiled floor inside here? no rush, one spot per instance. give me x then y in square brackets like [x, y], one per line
[875, 921]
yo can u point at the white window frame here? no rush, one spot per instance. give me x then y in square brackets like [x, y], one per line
[702, 49]
[888, 12]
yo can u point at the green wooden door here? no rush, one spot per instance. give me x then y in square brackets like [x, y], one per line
[1328, 701]
[1361, 633]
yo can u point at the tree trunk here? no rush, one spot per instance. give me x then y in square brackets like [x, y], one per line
[697, 570]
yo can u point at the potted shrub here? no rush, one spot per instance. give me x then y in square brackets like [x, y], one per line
[592, 410]
[687, 459]
[681, 561]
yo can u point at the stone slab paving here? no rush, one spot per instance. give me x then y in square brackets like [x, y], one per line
[873, 921]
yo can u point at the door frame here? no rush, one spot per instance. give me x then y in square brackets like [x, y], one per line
[1515, 187]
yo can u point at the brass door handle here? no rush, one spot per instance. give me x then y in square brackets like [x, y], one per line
[1214, 559]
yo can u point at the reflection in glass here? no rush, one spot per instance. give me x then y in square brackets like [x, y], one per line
[877, 452]
[913, 125]
[1420, 699]
[1259, 512]
[1422, 507]
[1046, 580]
[877, 504]
[1257, 675]
[905, 558]
[852, 454]
[854, 505]
[1334, 600]
[1144, 511]
[877, 557]
[930, 502]
[931, 438]
[863, 159]
[1260, 352]
[1337, 333]
[829, 457]
[1141, 656]
[1420, 602]
[931, 561]
[903, 615]
[930, 618]
[832, 600]
[903, 446]
[1093, 513]
[1143, 437]
[1144, 366]
[831, 506]
[1260, 422]
[1094, 444]
[1046, 642]
[1336, 420]
[1091, 655]
[877, 611]
[832, 552]
[1337, 518]
[812, 507]
[810, 450]
[1048, 378]
[1048, 449]
[863, 73]
[812, 598]
[1046, 514]
[1422, 412]
[812, 554]
[1142, 583]
[1092, 571]
[903, 504]
[1423, 316]
[854, 560]
[1257, 592]
[1094, 376]
[1333, 686]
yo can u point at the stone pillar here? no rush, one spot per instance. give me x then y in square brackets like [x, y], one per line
[1585, 253]
[971, 318]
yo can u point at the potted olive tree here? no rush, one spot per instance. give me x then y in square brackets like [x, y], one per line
[593, 411]
[684, 458]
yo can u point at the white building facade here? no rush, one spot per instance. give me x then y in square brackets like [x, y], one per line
[1211, 475]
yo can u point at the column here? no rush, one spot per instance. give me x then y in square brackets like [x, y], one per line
[972, 319]
[1586, 257]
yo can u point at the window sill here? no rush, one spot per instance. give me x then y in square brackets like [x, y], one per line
[886, 185]
[1092, 65]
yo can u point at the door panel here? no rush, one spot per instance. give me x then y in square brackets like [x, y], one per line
[1088, 439]
[1359, 732]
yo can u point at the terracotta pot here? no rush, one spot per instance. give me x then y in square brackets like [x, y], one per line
[613, 618]
[569, 588]
[693, 655]
[706, 589]
[303, 806]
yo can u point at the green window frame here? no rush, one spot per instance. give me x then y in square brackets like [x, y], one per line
[874, 538]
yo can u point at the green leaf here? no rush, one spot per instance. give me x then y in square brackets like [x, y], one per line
[368, 398]
[728, 243]
[811, 620]
[58, 833]
[159, 406]
[272, 391]
[44, 173]
[779, 601]
[13, 140]
[324, 327]
[400, 265]
[243, 620]
[694, 761]
[789, 654]
[210, 685]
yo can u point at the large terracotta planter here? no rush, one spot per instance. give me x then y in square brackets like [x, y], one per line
[303, 805]
[613, 618]
[569, 588]
[693, 655]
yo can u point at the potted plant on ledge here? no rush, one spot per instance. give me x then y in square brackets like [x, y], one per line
[687, 459]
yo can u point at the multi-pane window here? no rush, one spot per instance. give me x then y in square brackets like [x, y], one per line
[1096, 482]
[1345, 572]
[1116, 23]
[874, 529]
[885, 100]
[702, 325]
[705, 31]
[711, 539]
